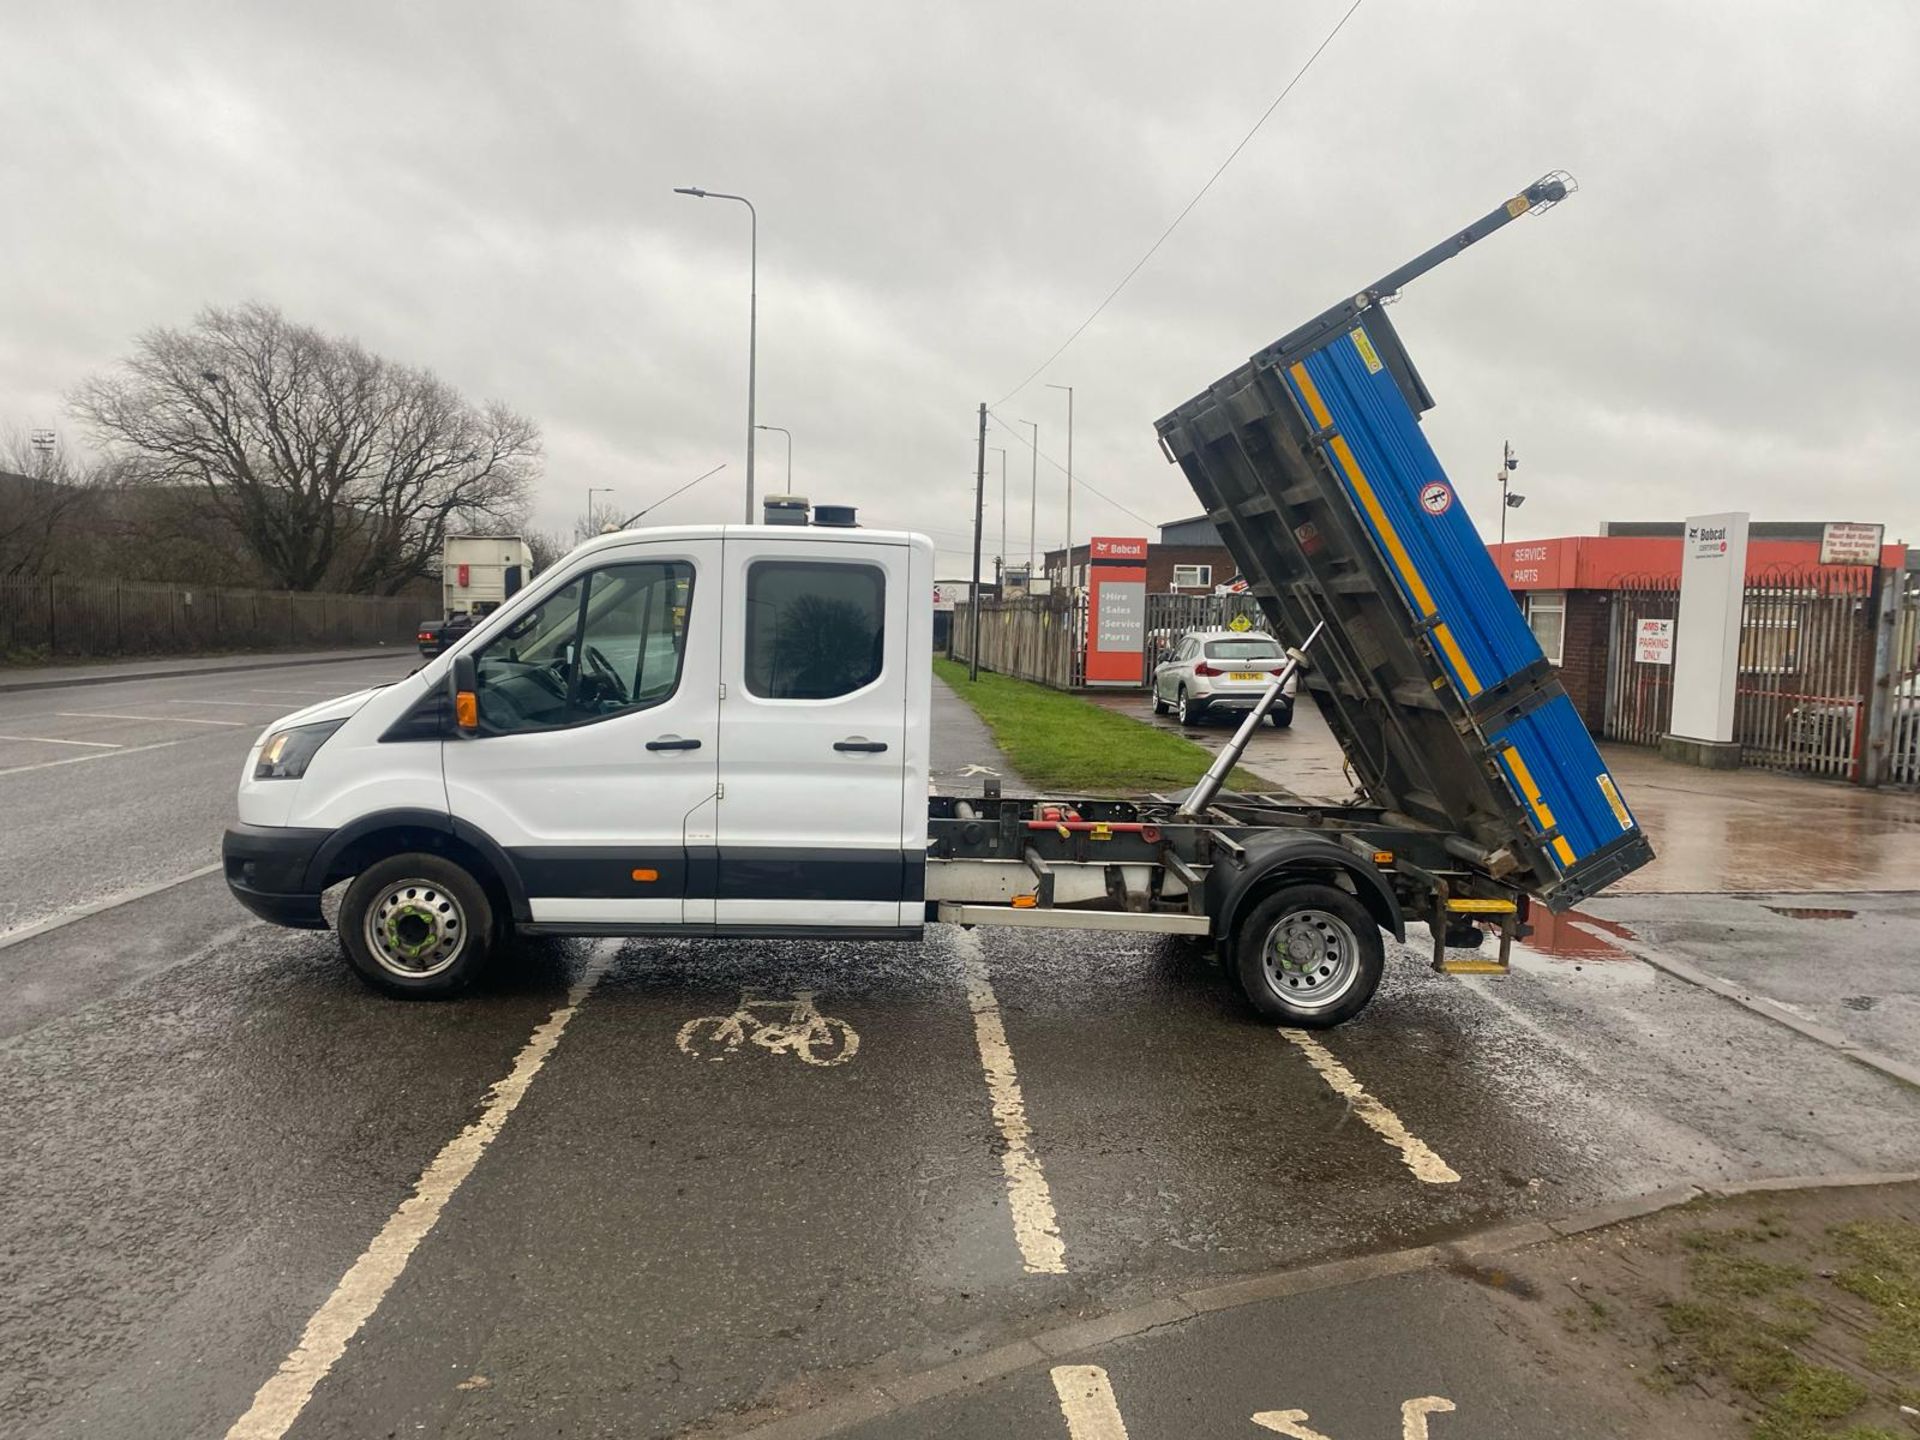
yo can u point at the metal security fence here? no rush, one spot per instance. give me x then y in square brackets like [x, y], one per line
[1898, 730]
[1169, 617]
[1639, 699]
[1806, 662]
[61, 617]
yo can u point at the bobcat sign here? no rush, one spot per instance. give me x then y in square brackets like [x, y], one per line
[1706, 640]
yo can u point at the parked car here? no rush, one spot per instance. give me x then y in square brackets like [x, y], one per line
[1221, 670]
[1825, 727]
[436, 635]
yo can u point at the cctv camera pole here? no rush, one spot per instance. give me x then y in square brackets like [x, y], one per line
[979, 519]
[1507, 466]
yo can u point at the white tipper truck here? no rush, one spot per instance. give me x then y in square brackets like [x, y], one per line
[725, 731]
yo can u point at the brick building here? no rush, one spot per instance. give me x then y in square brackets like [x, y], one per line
[1187, 559]
[1565, 587]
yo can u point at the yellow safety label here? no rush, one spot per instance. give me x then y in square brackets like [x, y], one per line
[1367, 352]
[1613, 799]
[1518, 206]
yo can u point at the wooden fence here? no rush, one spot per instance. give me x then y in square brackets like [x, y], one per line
[60, 617]
[1037, 639]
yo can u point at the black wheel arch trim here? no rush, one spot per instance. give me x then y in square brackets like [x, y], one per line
[438, 821]
[1233, 882]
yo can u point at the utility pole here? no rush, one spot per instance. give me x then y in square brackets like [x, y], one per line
[1069, 390]
[979, 518]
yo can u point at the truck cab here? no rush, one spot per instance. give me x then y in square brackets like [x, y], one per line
[716, 730]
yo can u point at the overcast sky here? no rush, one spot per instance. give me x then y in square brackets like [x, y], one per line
[1724, 317]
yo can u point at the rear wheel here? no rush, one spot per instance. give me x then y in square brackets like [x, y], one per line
[416, 926]
[1281, 716]
[1188, 710]
[1309, 955]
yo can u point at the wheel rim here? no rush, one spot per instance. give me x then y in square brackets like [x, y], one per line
[415, 929]
[1183, 707]
[1311, 959]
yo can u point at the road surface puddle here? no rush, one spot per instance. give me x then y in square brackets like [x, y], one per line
[1809, 912]
[1573, 935]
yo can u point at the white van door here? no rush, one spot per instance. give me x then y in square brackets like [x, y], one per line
[813, 829]
[598, 744]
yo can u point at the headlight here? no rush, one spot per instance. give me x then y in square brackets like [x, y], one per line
[288, 752]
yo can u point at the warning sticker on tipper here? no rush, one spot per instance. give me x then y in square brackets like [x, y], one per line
[1367, 352]
[1614, 800]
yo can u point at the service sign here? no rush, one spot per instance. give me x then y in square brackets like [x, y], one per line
[1845, 542]
[1653, 642]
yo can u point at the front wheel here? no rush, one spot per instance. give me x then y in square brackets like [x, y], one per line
[416, 926]
[1309, 955]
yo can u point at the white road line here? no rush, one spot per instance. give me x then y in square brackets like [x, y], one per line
[278, 1403]
[235, 704]
[1031, 1203]
[1086, 1400]
[154, 719]
[83, 759]
[94, 907]
[1425, 1165]
[51, 740]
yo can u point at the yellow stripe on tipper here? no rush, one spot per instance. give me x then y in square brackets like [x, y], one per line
[1458, 656]
[1364, 344]
[1323, 417]
[1614, 802]
[1561, 849]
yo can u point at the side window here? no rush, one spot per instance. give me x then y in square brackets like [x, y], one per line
[814, 628]
[609, 642]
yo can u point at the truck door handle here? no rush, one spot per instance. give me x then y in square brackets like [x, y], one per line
[861, 747]
[672, 742]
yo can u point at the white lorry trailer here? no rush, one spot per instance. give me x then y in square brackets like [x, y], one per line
[478, 574]
[724, 731]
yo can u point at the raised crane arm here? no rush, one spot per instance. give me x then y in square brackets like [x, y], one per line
[1549, 190]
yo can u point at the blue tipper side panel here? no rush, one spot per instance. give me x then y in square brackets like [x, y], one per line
[1375, 446]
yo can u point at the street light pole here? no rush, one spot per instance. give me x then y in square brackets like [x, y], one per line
[789, 434]
[1033, 498]
[753, 312]
[593, 490]
[979, 514]
[1003, 498]
[1069, 390]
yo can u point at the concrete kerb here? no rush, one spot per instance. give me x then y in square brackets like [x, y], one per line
[1775, 1011]
[8, 687]
[874, 1401]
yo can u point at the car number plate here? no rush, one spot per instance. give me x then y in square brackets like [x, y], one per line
[1247, 675]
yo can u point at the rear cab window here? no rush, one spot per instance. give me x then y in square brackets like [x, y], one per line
[1254, 647]
[816, 629]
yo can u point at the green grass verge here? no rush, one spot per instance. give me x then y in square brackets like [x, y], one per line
[1061, 742]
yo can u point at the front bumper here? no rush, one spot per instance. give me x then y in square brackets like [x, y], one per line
[267, 867]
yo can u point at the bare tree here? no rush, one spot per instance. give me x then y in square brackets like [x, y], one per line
[326, 460]
[549, 547]
[43, 491]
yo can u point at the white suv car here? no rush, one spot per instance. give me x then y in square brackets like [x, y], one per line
[1211, 670]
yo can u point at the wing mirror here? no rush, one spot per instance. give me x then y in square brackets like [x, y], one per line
[463, 691]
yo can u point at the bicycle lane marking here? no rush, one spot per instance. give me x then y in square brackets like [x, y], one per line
[279, 1402]
[1087, 1403]
[1414, 1152]
[1035, 1227]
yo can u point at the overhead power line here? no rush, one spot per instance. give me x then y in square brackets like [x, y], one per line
[1079, 480]
[1187, 209]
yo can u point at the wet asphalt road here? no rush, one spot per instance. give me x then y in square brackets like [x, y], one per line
[203, 1122]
